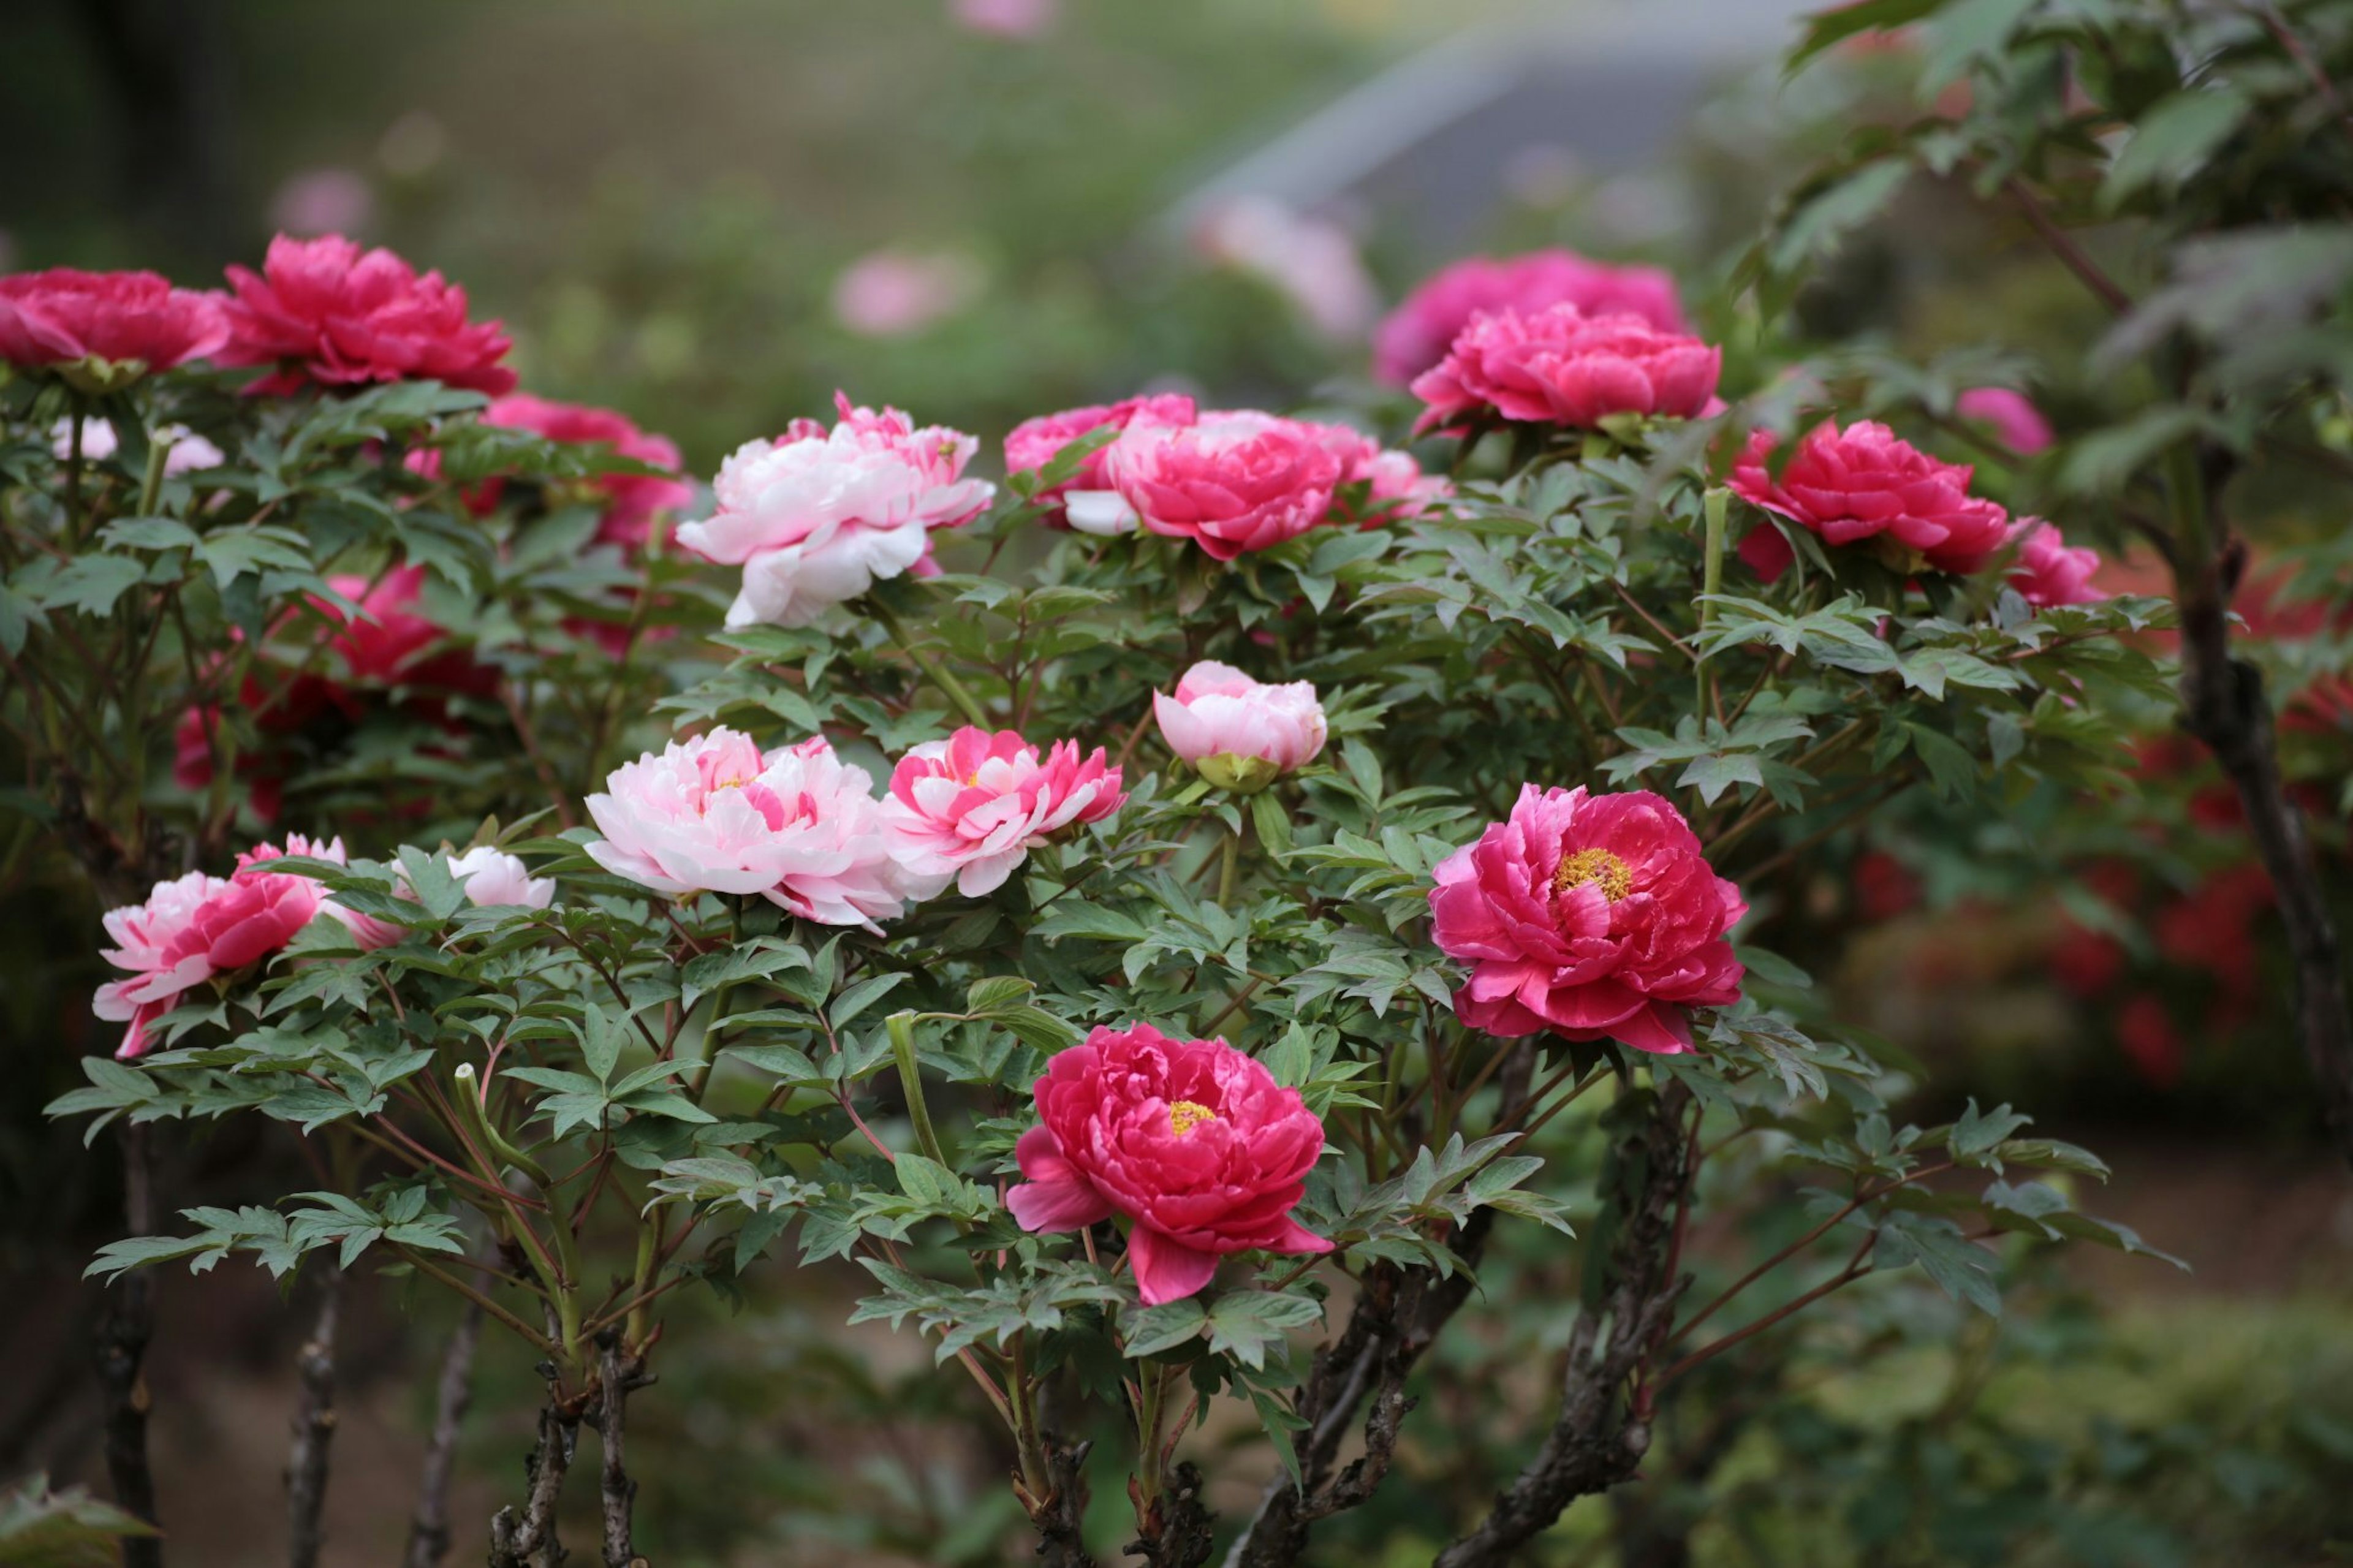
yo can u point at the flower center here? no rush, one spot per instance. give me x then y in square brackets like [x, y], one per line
[1187, 1114]
[1601, 868]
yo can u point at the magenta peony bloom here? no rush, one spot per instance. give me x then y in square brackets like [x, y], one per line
[1417, 335]
[1396, 490]
[1034, 443]
[1561, 367]
[1191, 1139]
[1230, 481]
[2048, 572]
[102, 328]
[631, 501]
[1590, 916]
[1861, 483]
[197, 927]
[2017, 423]
[816, 517]
[797, 825]
[325, 311]
[1240, 735]
[366, 930]
[970, 808]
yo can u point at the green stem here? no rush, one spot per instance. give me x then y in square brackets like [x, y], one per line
[152, 486]
[1229, 868]
[76, 413]
[935, 672]
[641, 1283]
[1150, 1392]
[565, 1285]
[1717, 507]
[901, 1026]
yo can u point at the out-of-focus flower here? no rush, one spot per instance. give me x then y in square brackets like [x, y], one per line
[1590, 916]
[1230, 481]
[184, 452]
[2151, 1044]
[1034, 443]
[323, 201]
[102, 330]
[2016, 423]
[1866, 484]
[817, 516]
[1884, 887]
[632, 501]
[1240, 734]
[325, 311]
[970, 808]
[1310, 261]
[2048, 571]
[1417, 334]
[1561, 367]
[1005, 18]
[896, 293]
[1191, 1139]
[797, 825]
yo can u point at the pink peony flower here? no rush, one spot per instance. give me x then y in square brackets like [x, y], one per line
[1417, 335]
[1034, 443]
[797, 825]
[1396, 490]
[1191, 1139]
[367, 931]
[184, 451]
[970, 808]
[1561, 367]
[2048, 571]
[816, 517]
[1240, 735]
[631, 501]
[325, 311]
[1230, 482]
[494, 880]
[1589, 915]
[1005, 18]
[1861, 483]
[102, 328]
[1311, 261]
[892, 294]
[2017, 423]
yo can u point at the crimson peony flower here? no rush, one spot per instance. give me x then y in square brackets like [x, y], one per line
[1561, 367]
[1417, 334]
[1034, 443]
[1589, 915]
[2048, 572]
[2016, 423]
[1230, 482]
[102, 328]
[1863, 483]
[325, 311]
[197, 927]
[970, 808]
[1191, 1139]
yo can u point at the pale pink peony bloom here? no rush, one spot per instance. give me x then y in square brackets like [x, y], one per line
[2048, 571]
[1034, 443]
[1231, 481]
[184, 452]
[893, 294]
[1417, 334]
[1561, 367]
[325, 311]
[1005, 18]
[1312, 262]
[970, 808]
[1238, 733]
[494, 880]
[797, 825]
[99, 329]
[1191, 1139]
[1590, 916]
[1866, 484]
[2017, 424]
[816, 517]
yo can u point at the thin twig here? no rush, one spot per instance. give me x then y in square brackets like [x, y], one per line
[314, 1429]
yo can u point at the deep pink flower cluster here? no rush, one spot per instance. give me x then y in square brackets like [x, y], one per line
[323, 310]
[1865, 484]
[1192, 1141]
[1034, 443]
[1590, 916]
[1562, 366]
[2049, 572]
[129, 322]
[1418, 335]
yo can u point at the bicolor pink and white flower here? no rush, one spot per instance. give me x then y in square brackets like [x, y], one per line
[797, 825]
[816, 517]
[1865, 484]
[1590, 916]
[1191, 1140]
[1417, 335]
[325, 311]
[1561, 367]
[1231, 481]
[366, 930]
[2049, 572]
[1237, 733]
[1034, 443]
[970, 808]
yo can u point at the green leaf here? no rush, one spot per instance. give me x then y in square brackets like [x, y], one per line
[1244, 1323]
[90, 584]
[1158, 1330]
[600, 1040]
[1833, 25]
[1817, 228]
[860, 996]
[2174, 140]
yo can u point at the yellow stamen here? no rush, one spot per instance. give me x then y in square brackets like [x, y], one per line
[1187, 1114]
[1595, 866]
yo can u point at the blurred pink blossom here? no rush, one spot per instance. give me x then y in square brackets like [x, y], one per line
[323, 201]
[1005, 18]
[1311, 261]
[895, 293]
